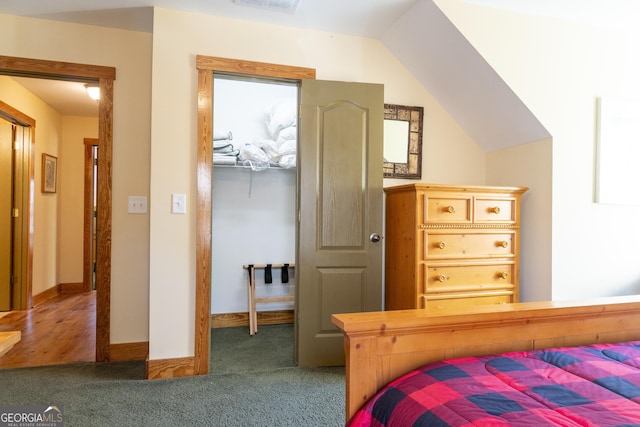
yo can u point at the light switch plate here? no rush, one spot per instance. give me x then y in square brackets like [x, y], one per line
[179, 203]
[137, 205]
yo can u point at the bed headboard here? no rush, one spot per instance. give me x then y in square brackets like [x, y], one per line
[381, 346]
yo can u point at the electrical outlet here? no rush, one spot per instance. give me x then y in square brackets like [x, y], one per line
[137, 205]
[179, 203]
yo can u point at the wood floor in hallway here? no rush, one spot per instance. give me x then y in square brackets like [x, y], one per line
[59, 331]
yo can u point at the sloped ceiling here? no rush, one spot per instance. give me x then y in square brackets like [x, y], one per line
[451, 69]
[416, 31]
[368, 18]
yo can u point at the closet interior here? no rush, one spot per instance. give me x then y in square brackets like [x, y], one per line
[254, 192]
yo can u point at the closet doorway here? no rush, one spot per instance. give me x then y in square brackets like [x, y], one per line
[254, 193]
[339, 211]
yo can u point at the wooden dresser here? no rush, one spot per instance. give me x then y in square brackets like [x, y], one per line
[451, 246]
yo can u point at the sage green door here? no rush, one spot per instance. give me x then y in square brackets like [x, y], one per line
[339, 262]
[6, 204]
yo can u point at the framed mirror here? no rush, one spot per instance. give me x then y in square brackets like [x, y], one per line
[402, 141]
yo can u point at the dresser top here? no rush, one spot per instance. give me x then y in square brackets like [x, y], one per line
[454, 188]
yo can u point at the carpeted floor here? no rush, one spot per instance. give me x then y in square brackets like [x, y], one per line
[234, 350]
[253, 382]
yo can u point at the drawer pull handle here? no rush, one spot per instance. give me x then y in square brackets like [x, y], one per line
[450, 209]
[441, 278]
[503, 275]
[502, 244]
[495, 210]
[441, 245]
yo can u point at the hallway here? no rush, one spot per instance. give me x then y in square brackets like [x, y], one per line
[60, 331]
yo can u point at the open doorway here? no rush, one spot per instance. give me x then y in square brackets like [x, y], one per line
[254, 213]
[206, 67]
[90, 224]
[105, 76]
[349, 132]
[58, 325]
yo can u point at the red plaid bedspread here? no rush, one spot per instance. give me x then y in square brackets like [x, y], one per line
[596, 385]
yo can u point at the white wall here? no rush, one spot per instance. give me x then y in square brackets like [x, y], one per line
[450, 155]
[559, 68]
[130, 53]
[253, 223]
[253, 213]
[529, 165]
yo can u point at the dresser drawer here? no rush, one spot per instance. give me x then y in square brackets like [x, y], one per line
[494, 210]
[468, 245]
[453, 302]
[447, 209]
[454, 278]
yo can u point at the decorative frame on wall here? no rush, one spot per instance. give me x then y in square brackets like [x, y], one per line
[412, 167]
[49, 173]
[617, 151]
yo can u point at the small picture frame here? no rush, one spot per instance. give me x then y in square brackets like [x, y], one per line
[49, 173]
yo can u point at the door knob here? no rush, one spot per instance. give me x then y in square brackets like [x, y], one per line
[375, 237]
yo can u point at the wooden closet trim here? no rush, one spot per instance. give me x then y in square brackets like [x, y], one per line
[36, 68]
[207, 65]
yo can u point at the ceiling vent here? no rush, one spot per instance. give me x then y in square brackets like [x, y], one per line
[286, 6]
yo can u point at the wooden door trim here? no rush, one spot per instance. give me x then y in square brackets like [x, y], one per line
[206, 66]
[14, 115]
[57, 70]
[87, 248]
[7, 110]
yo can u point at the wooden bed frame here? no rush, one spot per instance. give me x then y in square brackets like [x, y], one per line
[381, 346]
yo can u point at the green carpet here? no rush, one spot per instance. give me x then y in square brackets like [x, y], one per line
[253, 383]
[234, 350]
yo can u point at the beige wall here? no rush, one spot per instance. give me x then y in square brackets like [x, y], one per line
[450, 155]
[153, 261]
[71, 181]
[130, 53]
[48, 139]
[558, 68]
